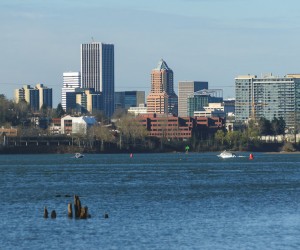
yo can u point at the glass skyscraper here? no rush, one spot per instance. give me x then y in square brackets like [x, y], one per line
[97, 72]
[201, 98]
[127, 99]
[185, 89]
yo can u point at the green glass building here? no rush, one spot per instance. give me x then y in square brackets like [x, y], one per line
[202, 98]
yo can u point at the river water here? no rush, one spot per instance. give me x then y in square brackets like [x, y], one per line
[154, 201]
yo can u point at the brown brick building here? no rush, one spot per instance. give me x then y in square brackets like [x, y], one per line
[162, 98]
[172, 127]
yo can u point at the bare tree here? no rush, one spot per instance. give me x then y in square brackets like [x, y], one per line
[103, 134]
[131, 130]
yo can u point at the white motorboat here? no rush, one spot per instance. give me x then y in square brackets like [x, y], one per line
[226, 154]
[79, 155]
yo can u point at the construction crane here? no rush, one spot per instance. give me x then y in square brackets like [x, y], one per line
[253, 106]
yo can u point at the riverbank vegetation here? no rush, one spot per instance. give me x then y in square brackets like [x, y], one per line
[126, 134]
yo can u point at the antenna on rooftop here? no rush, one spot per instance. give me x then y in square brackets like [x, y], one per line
[93, 39]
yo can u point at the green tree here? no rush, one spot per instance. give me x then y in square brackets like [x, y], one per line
[11, 113]
[119, 113]
[278, 126]
[252, 130]
[44, 110]
[59, 111]
[264, 127]
[220, 136]
[100, 117]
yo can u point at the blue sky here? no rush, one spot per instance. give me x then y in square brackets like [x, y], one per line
[209, 40]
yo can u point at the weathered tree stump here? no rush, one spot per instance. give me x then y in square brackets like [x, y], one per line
[79, 212]
[77, 206]
[53, 214]
[84, 212]
[70, 212]
[45, 212]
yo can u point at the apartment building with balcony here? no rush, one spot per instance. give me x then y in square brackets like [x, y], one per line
[269, 96]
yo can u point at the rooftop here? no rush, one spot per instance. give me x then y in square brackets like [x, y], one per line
[162, 65]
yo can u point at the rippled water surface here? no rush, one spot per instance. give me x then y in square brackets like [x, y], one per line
[154, 201]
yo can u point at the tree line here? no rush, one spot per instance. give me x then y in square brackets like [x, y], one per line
[126, 133]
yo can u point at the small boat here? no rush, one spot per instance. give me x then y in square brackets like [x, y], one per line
[79, 155]
[226, 154]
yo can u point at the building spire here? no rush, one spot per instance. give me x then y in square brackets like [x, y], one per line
[162, 65]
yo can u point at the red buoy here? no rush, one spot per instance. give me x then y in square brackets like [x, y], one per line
[251, 157]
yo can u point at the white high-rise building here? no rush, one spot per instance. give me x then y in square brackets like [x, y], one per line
[97, 72]
[268, 97]
[71, 81]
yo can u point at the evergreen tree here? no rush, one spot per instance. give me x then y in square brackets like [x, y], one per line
[264, 126]
[60, 111]
[278, 126]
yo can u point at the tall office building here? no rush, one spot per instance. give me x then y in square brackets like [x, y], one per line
[198, 100]
[71, 81]
[162, 98]
[84, 100]
[268, 97]
[29, 95]
[45, 96]
[97, 72]
[35, 97]
[185, 89]
[127, 99]
[87, 100]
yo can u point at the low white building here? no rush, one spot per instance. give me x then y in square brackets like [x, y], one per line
[76, 125]
[213, 109]
[141, 109]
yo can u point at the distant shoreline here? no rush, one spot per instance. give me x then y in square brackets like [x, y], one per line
[87, 150]
[283, 152]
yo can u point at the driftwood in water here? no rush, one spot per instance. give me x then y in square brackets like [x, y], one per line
[84, 212]
[79, 212]
[45, 212]
[53, 214]
[70, 211]
[77, 206]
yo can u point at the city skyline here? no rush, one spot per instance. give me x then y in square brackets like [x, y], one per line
[210, 41]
